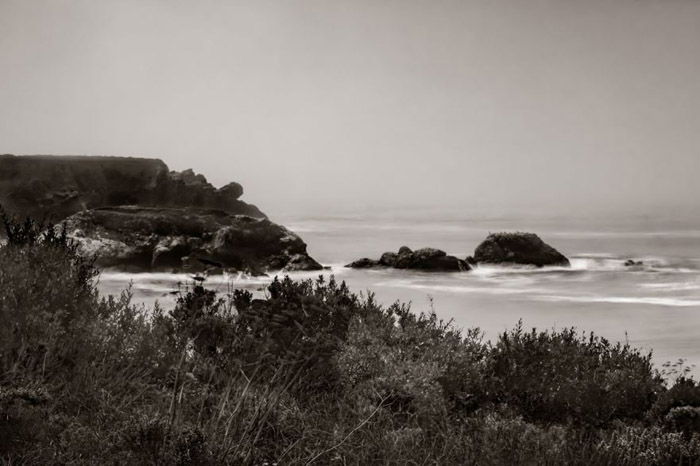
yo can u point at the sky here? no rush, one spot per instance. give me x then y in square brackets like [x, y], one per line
[326, 106]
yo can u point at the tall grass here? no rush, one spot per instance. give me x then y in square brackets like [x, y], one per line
[309, 374]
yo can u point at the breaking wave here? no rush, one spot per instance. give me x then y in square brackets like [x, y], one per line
[589, 263]
[649, 300]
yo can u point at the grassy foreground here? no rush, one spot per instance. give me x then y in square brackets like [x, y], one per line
[313, 374]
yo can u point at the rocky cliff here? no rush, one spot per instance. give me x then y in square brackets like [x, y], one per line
[55, 187]
[194, 239]
[134, 213]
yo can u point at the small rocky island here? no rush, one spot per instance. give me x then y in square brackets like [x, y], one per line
[498, 248]
[136, 214]
[428, 259]
[518, 248]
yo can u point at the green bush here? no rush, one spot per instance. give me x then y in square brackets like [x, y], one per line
[684, 392]
[650, 446]
[46, 301]
[419, 366]
[685, 419]
[301, 324]
[564, 376]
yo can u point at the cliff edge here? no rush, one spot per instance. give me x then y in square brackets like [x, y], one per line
[55, 187]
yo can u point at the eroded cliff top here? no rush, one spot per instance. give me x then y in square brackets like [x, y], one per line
[54, 187]
[186, 238]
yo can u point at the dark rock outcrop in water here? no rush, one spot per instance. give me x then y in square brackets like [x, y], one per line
[195, 239]
[55, 187]
[429, 259]
[518, 248]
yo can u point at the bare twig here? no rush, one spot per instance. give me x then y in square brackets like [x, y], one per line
[358, 427]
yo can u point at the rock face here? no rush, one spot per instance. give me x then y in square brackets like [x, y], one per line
[55, 187]
[428, 259]
[518, 248]
[194, 239]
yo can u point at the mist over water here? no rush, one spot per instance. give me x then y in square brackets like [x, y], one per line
[652, 306]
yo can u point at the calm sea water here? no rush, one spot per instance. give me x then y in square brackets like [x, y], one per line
[654, 306]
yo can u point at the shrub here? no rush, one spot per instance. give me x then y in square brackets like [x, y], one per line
[47, 300]
[684, 419]
[301, 324]
[563, 376]
[684, 392]
[650, 446]
[419, 368]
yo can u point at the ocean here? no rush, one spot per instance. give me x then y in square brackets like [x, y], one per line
[655, 306]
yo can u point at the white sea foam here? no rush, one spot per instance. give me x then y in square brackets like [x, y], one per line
[649, 300]
[460, 288]
[216, 279]
[587, 263]
[578, 264]
[626, 234]
[603, 262]
[498, 270]
[160, 277]
[674, 286]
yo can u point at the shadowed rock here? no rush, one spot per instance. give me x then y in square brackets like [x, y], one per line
[55, 187]
[428, 259]
[151, 238]
[518, 248]
[364, 263]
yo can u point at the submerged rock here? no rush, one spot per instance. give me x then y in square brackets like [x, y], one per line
[421, 259]
[55, 187]
[194, 239]
[518, 248]
[633, 263]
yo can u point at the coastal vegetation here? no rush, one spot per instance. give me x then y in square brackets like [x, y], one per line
[309, 373]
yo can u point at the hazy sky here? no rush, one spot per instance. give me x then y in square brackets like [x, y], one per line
[329, 104]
